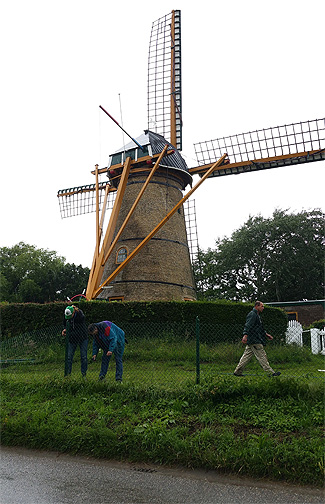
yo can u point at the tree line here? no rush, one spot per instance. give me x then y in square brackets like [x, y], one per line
[280, 258]
[31, 275]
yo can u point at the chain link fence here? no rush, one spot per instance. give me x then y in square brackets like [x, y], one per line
[167, 355]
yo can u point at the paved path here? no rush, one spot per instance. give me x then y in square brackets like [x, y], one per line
[35, 477]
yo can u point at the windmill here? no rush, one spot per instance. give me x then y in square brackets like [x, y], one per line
[144, 252]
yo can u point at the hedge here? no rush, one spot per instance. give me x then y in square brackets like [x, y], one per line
[25, 317]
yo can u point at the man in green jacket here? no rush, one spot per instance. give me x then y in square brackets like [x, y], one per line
[254, 337]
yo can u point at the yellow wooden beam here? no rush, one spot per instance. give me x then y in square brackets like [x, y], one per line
[89, 289]
[89, 189]
[97, 268]
[126, 220]
[134, 162]
[96, 253]
[107, 191]
[159, 226]
[202, 169]
[99, 235]
[97, 213]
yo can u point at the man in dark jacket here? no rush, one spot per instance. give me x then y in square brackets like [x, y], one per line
[111, 339]
[77, 336]
[254, 337]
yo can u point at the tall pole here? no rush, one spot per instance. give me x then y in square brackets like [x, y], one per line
[197, 330]
[109, 115]
[97, 212]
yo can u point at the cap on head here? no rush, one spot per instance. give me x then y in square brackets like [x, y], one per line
[68, 312]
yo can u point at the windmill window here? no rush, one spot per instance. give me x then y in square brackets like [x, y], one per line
[121, 255]
[116, 158]
[144, 152]
[130, 153]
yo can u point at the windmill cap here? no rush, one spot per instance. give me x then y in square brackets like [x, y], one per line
[68, 312]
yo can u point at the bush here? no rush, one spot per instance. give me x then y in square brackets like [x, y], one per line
[319, 324]
[26, 317]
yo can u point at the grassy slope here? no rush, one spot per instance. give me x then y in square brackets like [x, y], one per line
[259, 427]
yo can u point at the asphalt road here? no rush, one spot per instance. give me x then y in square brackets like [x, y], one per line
[34, 477]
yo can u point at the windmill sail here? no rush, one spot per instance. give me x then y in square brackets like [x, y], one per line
[290, 144]
[82, 199]
[164, 79]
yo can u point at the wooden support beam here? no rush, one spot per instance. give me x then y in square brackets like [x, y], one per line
[107, 191]
[126, 220]
[95, 257]
[202, 169]
[97, 214]
[97, 267]
[134, 162]
[90, 188]
[159, 226]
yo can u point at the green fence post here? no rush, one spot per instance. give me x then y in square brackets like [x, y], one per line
[197, 350]
[67, 334]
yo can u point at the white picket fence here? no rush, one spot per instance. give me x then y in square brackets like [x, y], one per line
[317, 336]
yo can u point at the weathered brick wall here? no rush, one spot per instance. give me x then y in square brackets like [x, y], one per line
[306, 314]
[162, 269]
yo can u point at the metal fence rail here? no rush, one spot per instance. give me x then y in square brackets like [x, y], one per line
[167, 354]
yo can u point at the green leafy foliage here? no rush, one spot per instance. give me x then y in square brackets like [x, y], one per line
[279, 259]
[318, 324]
[178, 318]
[31, 275]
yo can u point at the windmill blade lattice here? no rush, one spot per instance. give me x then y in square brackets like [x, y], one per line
[82, 199]
[164, 103]
[191, 228]
[295, 143]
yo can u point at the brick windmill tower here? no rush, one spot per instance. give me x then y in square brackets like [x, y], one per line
[139, 258]
[162, 269]
[144, 252]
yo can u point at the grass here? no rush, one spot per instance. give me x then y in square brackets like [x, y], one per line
[254, 426]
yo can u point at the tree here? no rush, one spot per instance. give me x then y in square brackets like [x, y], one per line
[29, 291]
[29, 274]
[276, 259]
[72, 280]
[4, 288]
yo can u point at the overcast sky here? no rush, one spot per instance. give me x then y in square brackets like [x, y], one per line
[245, 66]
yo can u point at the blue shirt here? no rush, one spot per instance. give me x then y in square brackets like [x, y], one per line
[110, 338]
